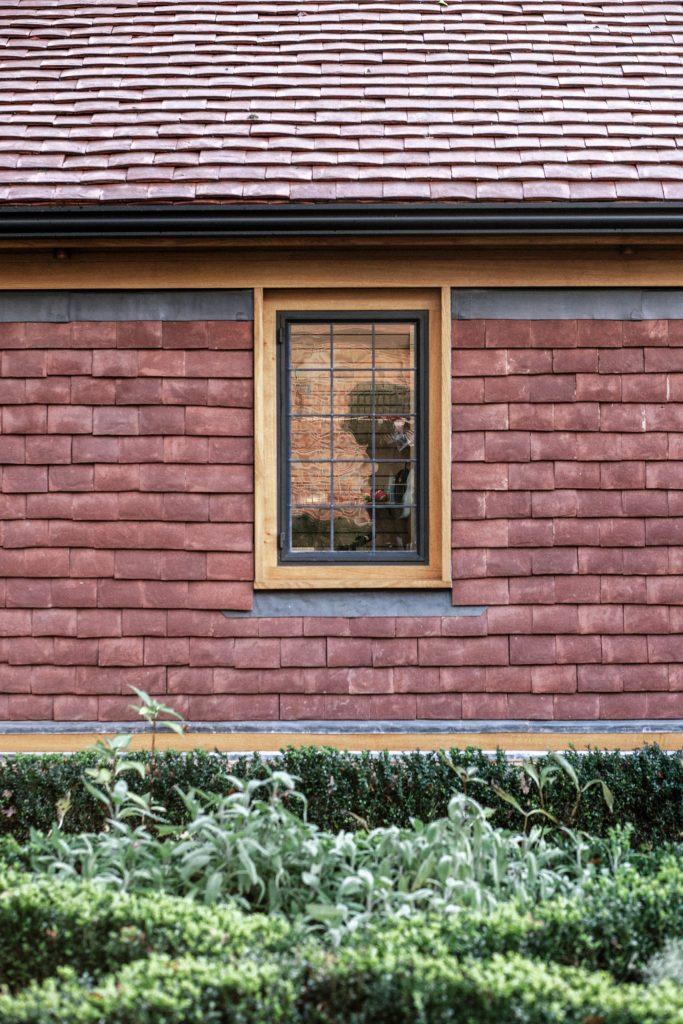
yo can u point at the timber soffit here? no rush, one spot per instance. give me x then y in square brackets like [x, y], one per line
[297, 220]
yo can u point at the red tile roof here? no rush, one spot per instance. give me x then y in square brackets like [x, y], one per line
[340, 99]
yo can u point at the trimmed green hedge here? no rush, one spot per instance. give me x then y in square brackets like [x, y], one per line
[159, 990]
[346, 790]
[615, 924]
[357, 986]
[364, 986]
[45, 925]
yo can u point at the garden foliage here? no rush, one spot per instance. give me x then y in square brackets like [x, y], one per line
[355, 986]
[444, 888]
[351, 791]
[251, 848]
[615, 923]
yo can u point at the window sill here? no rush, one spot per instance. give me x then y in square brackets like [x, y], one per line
[350, 577]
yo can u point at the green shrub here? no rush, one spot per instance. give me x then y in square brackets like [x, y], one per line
[159, 990]
[363, 986]
[618, 922]
[357, 986]
[45, 925]
[432, 918]
[614, 924]
[347, 791]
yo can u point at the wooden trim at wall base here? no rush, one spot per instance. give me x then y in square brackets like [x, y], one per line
[244, 742]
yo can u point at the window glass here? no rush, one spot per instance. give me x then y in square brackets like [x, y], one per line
[351, 426]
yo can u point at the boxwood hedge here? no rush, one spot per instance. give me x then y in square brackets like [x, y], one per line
[45, 925]
[412, 988]
[346, 790]
[354, 986]
[615, 924]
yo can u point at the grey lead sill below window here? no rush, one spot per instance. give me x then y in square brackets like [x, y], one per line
[354, 604]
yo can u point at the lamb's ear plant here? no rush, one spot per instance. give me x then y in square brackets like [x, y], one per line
[667, 964]
[615, 850]
[249, 847]
[254, 846]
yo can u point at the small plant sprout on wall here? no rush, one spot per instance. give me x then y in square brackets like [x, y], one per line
[157, 715]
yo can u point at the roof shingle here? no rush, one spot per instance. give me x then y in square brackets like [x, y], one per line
[340, 99]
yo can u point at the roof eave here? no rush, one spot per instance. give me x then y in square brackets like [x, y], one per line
[111, 220]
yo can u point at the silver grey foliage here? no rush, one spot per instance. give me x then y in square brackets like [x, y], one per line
[249, 848]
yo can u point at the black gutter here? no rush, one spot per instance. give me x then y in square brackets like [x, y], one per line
[109, 220]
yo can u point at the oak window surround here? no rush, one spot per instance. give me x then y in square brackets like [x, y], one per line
[352, 438]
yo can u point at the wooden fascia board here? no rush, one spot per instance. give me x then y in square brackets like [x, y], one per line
[387, 265]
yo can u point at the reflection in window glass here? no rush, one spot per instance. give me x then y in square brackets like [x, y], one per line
[351, 466]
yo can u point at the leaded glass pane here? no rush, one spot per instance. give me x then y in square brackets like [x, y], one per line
[352, 420]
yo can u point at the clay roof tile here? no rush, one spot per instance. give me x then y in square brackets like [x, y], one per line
[143, 100]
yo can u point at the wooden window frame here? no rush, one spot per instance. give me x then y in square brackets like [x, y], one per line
[270, 573]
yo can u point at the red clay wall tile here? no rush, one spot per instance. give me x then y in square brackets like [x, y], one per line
[305, 652]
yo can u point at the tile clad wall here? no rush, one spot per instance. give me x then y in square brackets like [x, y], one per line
[127, 452]
[126, 519]
[568, 515]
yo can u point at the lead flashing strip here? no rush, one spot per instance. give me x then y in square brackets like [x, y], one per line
[353, 604]
[416, 727]
[567, 304]
[176, 305]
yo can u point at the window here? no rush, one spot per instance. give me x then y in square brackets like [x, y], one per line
[352, 435]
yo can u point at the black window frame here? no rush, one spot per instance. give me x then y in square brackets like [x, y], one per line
[284, 321]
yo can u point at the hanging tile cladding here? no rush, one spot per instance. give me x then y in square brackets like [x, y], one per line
[127, 511]
[568, 513]
[126, 520]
